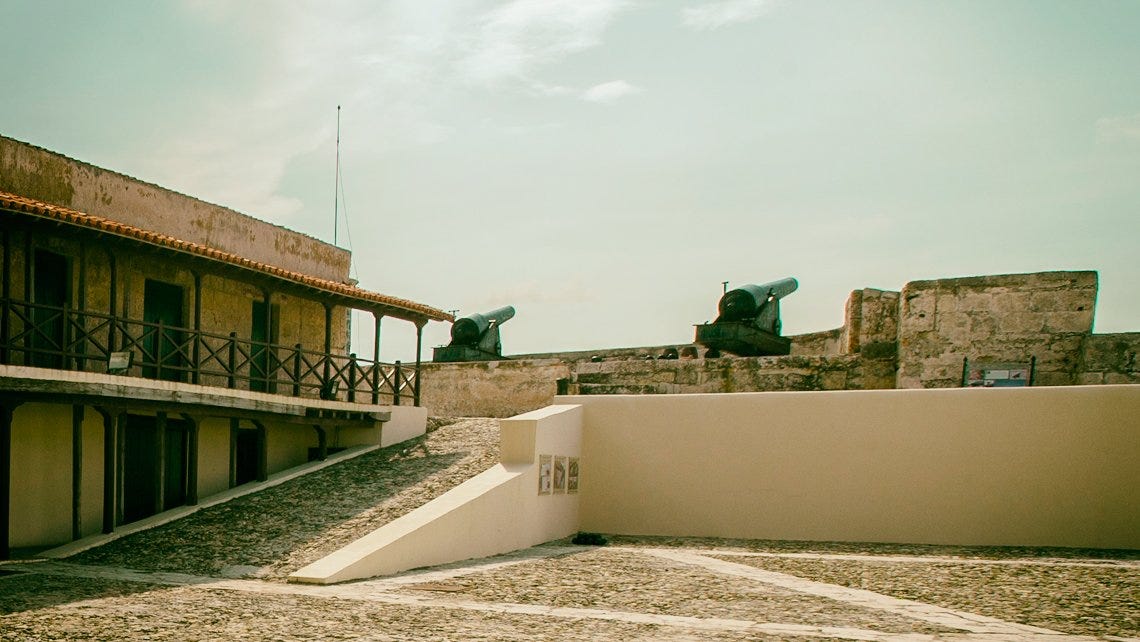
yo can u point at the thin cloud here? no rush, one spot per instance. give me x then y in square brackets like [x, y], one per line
[715, 15]
[516, 38]
[390, 65]
[1119, 128]
[609, 91]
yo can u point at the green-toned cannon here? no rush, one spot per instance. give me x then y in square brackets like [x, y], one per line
[476, 337]
[749, 321]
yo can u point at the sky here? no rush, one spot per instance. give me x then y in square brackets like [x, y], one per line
[604, 165]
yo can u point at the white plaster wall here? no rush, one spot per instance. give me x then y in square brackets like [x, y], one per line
[1029, 466]
[407, 422]
[41, 475]
[495, 512]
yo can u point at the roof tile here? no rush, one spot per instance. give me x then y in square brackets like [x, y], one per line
[55, 212]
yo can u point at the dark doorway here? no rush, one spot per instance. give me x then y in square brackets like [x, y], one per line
[51, 281]
[175, 469]
[248, 447]
[163, 342]
[146, 461]
[262, 335]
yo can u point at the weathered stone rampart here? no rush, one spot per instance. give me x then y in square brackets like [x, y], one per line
[1110, 359]
[920, 337]
[1005, 318]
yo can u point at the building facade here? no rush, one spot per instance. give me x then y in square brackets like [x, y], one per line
[155, 349]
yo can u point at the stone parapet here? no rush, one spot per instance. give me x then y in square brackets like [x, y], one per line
[1004, 318]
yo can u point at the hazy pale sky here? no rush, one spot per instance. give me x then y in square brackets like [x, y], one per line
[603, 165]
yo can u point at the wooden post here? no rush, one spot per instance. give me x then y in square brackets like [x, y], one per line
[419, 346]
[396, 381]
[77, 412]
[120, 466]
[28, 296]
[268, 330]
[352, 377]
[6, 411]
[66, 360]
[191, 460]
[322, 443]
[262, 451]
[231, 364]
[158, 341]
[81, 305]
[160, 462]
[328, 347]
[113, 305]
[297, 370]
[6, 291]
[197, 371]
[376, 359]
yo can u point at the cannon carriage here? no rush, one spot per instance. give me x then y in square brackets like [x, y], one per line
[748, 324]
[475, 337]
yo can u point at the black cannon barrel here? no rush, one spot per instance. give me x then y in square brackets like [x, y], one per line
[468, 329]
[746, 301]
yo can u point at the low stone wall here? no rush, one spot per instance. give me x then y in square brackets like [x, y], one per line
[726, 374]
[917, 338]
[506, 388]
[1110, 358]
[490, 388]
[1004, 318]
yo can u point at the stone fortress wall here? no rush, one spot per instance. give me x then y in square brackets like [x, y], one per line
[916, 338]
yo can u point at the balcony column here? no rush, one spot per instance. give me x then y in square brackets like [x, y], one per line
[81, 316]
[6, 291]
[113, 300]
[268, 330]
[28, 297]
[111, 417]
[191, 460]
[196, 371]
[77, 413]
[159, 463]
[377, 318]
[419, 349]
[7, 408]
[328, 351]
[262, 450]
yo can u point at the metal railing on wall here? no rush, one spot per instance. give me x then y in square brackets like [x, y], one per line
[46, 336]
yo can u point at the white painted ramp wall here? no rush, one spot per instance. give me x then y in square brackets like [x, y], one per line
[498, 511]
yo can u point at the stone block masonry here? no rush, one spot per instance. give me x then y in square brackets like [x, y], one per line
[1006, 318]
[1110, 359]
[916, 338]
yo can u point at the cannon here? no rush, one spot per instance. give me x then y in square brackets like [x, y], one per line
[749, 321]
[476, 337]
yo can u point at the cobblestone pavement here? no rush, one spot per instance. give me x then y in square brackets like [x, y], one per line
[582, 593]
[281, 529]
[218, 575]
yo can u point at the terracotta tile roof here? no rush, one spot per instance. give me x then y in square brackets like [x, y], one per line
[62, 214]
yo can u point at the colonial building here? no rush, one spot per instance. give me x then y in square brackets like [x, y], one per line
[156, 349]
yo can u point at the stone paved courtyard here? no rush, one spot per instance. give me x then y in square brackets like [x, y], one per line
[195, 580]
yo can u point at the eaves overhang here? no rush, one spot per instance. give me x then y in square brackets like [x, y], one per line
[329, 291]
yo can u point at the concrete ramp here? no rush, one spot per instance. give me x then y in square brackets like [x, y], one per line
[500, 510]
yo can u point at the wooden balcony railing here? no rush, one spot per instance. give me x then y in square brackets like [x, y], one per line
[67, 339]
